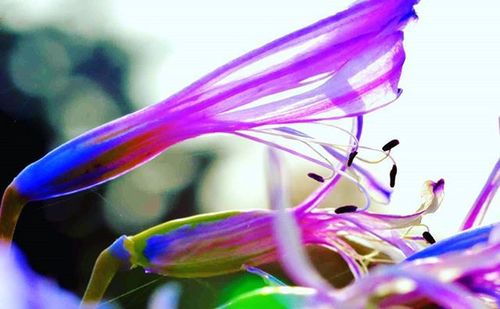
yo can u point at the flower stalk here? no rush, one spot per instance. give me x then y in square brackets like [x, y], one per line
[104, 270]
[10, 210]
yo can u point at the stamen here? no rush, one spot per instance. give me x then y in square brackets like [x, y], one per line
[352, 155]
[392, 174]
[334, 170]
[303, 138]
[308, 141]
[387, 155]
[365, 260]
[370, 255]
[390, 145]
[428, 237]
[316, 177]
[354, 139]
[405, 235]
[345, 209]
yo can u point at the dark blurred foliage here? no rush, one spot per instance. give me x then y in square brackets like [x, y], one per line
[62, 237]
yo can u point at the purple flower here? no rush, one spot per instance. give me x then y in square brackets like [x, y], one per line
[21, 288]
[460, 272]
[463, 279]
[343, 66]
[221, 243]
[470, 237]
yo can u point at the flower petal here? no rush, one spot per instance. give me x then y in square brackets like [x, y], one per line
[360, 51]
[480, 206]
[345, 65]
[20, 287]
[432, 195]
[462, 241]
[336, 96]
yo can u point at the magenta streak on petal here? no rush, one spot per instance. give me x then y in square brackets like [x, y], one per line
[365, 18]
[479, 283]
[352, 35]
[287, 235]
[447, 295]
[480, 206]
[339, 96]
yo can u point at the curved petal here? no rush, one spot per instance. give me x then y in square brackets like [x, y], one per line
[20, 287]
[462, 241]
[480, 206]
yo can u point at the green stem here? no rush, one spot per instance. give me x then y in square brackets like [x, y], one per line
[10, 209]
[104, 270]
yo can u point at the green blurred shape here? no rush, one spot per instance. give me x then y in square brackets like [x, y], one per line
[241, 285]
[273, 297]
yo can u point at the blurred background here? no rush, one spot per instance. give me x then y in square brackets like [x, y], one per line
[69, 66]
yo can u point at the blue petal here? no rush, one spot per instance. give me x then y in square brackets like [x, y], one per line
[457, 242]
